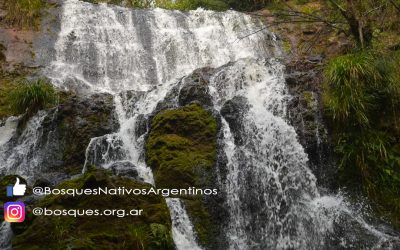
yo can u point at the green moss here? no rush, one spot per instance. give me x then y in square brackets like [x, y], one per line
[151, 230]
[7, 85]
[287, 47]
[309, 99]
[181, 143]
[181, 150]
[203, 223]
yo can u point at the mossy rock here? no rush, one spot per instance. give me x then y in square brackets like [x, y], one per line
[79, 119]
[203, 222]
[181, 150]
[151, 230]
[7, 85]
[181, 143]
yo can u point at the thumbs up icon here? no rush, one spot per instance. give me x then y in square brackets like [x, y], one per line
[19, 189]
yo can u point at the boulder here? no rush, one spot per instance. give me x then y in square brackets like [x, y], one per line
[125, 168]
[194, 89]
[233, 111]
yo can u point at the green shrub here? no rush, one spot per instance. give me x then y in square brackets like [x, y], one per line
[162, 237]
[29, 97]
[349, 79]
[193, 4]
[24, 13]
[361, 96]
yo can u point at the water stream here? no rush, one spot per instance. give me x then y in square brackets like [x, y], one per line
[138, 56]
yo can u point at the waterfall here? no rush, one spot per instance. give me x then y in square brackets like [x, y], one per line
[139, 56]
[6, 235]
[23, 154]
[272, 196]
[268, 182]
[182, 229]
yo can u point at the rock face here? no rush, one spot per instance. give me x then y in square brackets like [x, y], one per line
[182, 149]
[304, 79]
[79, 119]
[194, 88]
[56, 140]
[126, 169]
[233, 111]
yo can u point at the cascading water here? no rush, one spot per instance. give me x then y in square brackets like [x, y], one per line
[23, 154]
[6, 235]
[139, 55]
[182, 229]
[268, 181]
[272, 195]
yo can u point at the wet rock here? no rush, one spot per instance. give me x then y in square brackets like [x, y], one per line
[129, 100]
[141, 125]
[195, 89]
[42, 182]
[56, 139]
[81, 118]
[125, 168]
[315, 58]
[233, 111]
[352, 233]
[305, 112]
[110, 144]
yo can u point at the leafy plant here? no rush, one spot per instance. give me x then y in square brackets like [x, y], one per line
[361, 95]
[162, 238]
[350, 80]
[29, 97]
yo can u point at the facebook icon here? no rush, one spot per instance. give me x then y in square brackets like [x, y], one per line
[10, 191]
[16, 190]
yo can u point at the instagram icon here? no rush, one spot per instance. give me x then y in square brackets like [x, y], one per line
[14, 211]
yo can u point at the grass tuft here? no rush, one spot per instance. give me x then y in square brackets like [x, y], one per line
[24, 13]
[362, 97]
[30, 97]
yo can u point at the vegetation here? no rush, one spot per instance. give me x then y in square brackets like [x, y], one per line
[218, 5]
[7, 84]
[181, 143]
[193, 4]
[126, 3]
[152, 230]
[30, 96]
[362, 97]
[361, 87]
[24, 13]
[181, 150]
